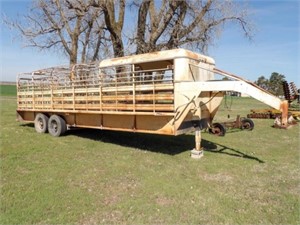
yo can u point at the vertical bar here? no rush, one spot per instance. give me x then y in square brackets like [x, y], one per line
[73, 93]
[116, 88]
[26, 96]
[18, 91]
[100, 91]
[33, 93]
[42, 90]
[86, 96]
[133, 86]
[153, 98]
[51, 88]
[62, 98]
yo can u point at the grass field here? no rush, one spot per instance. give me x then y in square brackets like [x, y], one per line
[8, 90]
[103, 177]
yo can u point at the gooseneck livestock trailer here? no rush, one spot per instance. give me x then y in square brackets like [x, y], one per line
[168, 92]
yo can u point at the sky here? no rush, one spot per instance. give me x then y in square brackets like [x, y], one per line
[275, 46]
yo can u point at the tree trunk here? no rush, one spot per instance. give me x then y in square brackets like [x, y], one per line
[115, 26]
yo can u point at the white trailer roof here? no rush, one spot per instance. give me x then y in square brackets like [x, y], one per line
[156, 56]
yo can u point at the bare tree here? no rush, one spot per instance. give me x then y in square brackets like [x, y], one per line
[115, 25]
[69, 25]
[169, 24]
[86, 29]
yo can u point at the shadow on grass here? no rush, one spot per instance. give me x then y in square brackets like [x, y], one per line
[171, 145]
[222, 149]
[27, 125]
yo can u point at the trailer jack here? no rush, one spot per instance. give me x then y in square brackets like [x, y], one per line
[290, 122]
[284, 121]
[197, 152]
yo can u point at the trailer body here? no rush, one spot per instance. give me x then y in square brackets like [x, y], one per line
[169, 92]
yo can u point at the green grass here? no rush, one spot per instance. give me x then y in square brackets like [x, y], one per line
[8, 90]
[103, 177]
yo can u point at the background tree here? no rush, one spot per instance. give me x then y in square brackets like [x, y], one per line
[273, 84]
[263, 82]
[84, 29]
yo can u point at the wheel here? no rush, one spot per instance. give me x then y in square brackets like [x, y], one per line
[41, 123]
[217, 129]
[56, 126]
[247, 124]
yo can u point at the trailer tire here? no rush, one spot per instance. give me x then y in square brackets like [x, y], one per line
[41, 123]
[247, 124]
[56, 126]
[217, 129]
